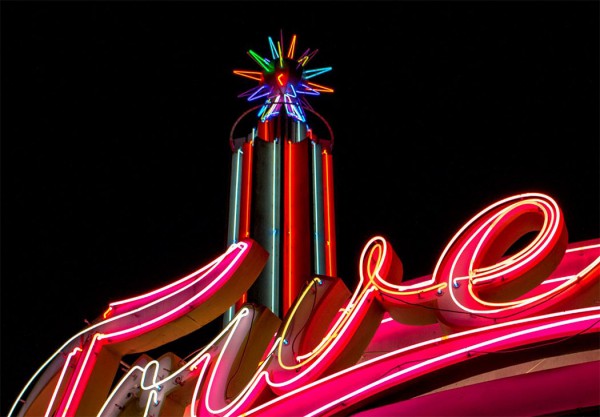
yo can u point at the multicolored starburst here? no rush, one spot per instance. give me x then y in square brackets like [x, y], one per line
[283, 81]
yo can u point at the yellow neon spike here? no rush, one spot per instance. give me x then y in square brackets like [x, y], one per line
[253, 75]
[321, 88]
[302, 61]
[290, 53]
[280, 54]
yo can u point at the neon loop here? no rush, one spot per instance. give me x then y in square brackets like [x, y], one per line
[372, 262]
[378, 272]
[300, 359]
[510, 267]
[383, 267]
[474, 261]
[139, 315]
[378, 264]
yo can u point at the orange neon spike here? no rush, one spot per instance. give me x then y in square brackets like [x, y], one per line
[253, 75]
[290, 53]
[320, 88]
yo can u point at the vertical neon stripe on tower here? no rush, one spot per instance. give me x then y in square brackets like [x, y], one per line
[274, 263]
[317, 192]
[329, 215]
[234, 210]
[246, 189]
[234, 197]
[288, 237]
[266, 215]
[296, 238]
[245, 200]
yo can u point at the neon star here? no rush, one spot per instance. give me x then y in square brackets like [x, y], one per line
[283, 81]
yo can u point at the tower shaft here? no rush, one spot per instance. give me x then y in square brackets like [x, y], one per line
[281, 195]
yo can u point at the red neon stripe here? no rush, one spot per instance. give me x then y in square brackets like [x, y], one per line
[246, 197]
[296, 236]
[245, 203]
[240, 303]
[329, 215]
[288, 194]
[80, 379]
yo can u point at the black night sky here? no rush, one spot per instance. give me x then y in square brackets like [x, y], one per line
[116, 120]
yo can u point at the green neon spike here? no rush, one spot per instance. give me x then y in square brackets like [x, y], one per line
[268, 67]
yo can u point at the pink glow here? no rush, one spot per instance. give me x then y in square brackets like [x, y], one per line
[186, 282]
[343, 389]
[121, 325]
[485, 238]
[189, 293]
[328, 374]
[83, 370]
[555, 389]
[63, 372]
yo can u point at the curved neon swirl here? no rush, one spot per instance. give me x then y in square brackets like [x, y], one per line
[138, 316]
[473, 260]
[338, 391]
[375, 263]
[382, 255]
[378, 262]
[211, 366]
[311, 363]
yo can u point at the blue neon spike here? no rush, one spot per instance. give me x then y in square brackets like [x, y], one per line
[256, 94]
[274, 52]
[308, 74]
[308, 90]
[293, 92]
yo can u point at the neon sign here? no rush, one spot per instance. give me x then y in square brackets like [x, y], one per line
[486, 295]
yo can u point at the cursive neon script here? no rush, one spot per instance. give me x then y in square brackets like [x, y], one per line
[484, 295]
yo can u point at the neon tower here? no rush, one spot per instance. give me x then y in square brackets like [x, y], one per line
[281, 191]
[495, 319]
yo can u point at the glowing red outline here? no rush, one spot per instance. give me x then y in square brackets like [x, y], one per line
[304, 389]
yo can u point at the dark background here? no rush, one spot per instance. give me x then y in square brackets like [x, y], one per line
[116, 119]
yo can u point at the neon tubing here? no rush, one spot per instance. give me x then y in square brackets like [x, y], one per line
[318, 210]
